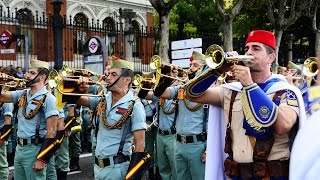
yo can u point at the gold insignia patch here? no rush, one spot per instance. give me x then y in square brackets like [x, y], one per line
[291, 98]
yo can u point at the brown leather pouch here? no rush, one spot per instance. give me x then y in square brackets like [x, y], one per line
[231, 168]
[262, 149]
[278, 169]
[259, 169]
[246, 171]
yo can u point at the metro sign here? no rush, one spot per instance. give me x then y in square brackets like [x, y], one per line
[6, 38]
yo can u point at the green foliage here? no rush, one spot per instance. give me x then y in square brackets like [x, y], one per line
[252, 16]
[191, 16]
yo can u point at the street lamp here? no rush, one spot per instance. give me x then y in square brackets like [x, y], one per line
[58, 25]
[129, 35]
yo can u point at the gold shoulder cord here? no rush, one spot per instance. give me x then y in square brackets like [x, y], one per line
[170, 111]
[119, 123]
[181, 97]
[194, 108]
[23, 103]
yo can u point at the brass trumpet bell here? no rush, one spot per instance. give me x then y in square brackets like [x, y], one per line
[310, 67]
[215, 57]
[163, 69]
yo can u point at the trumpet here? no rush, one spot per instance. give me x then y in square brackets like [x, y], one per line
[310, 67]
[142, 83]
[12, 82]
[216, 57]
[80, 72]
[66, 85]
[163, 69]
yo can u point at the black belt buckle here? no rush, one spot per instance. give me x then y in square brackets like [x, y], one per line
[100, 163]
[21, 142]
[184, 139]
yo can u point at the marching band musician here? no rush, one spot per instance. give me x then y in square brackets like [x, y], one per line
[151, 132]
[121, 120]
[166, 120]
[37, 116]
[260, 112]
[191, 120]
[5, 119]
[305, 162]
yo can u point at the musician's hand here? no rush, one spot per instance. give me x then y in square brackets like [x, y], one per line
[84, 80]
[242, 74]
[289, 78]
[1, 142]
[232, 53]
[3, 77]
[39, 165]
[203, 156]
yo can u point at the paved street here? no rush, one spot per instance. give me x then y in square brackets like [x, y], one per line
[86, 167]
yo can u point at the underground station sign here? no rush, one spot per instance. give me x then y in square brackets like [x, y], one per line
[6, 38]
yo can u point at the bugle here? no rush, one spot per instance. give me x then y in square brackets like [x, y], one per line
[216, 57]
[142, 83]
[310, 67]
[66, 85]
[12, 82]
[163, 69]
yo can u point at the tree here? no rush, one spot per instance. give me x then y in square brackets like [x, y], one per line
[314, 12]
[163, 9]
[228, 16]
[284, 13]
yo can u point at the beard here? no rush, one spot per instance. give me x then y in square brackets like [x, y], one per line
[191, 75]
[29, 83]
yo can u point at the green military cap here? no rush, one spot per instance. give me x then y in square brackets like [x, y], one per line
[198, 56]
[120, 63]
[34, 63]
[292, 65]
[282, 68]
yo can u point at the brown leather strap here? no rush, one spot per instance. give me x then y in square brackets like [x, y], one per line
[228, 138]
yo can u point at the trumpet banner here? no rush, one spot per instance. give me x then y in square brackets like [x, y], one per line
[59, 95]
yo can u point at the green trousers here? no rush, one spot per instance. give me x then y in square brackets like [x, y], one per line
[4, 170]
[23, 163]
[151, 142]
[166, 158]
[94, 144]
[112, 172]
[188, 160]
[62, 160]
[51, 170]
[75, 145]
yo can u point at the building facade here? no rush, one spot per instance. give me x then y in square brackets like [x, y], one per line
[82, 20]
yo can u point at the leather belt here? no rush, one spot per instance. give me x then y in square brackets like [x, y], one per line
[29, 141]
[192, 139]
[166, 132]
[108, 161]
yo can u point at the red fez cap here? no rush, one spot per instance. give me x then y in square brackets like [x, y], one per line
[262, 36]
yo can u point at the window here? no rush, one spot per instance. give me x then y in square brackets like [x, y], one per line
[25, 27]
[136, 43]
[108, 24]
[79, 34]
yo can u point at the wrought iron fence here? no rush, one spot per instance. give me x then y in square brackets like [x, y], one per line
[38, 30]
